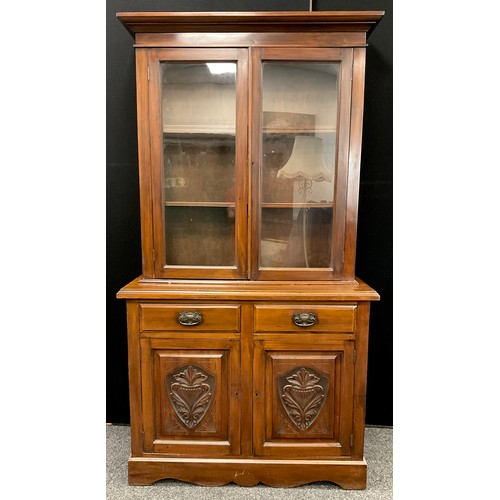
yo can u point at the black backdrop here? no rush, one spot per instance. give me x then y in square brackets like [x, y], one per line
[374, 244]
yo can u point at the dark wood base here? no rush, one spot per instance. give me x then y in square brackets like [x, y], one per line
[349, 474]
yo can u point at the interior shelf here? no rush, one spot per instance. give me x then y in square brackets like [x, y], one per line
[297, 205]
[214, 204]
[202, 130]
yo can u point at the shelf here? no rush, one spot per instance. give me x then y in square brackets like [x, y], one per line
[206, 133]
[203, 130]
[297, 205]
[299, 131]
[205, 204]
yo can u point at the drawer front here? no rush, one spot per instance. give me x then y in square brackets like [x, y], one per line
[301, 317]
[189, 317]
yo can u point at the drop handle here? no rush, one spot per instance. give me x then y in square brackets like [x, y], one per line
[304, 319]
[190, 318]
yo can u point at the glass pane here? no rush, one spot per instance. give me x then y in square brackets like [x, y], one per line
[199, 124]
[200, 236]
[198, 168]
[296, 237]
[298, 163]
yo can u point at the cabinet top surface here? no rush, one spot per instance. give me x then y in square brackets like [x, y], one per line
[141, 288]
[155, 22]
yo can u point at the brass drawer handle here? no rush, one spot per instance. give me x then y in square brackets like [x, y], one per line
[304, 319]
[190, 318]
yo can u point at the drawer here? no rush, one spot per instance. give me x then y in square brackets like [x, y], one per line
[189, 317]
[280, 318]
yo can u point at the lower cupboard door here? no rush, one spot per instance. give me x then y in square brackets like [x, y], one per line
[303, 399]
[190, 397]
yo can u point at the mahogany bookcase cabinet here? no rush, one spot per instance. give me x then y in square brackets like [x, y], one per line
[248, 329]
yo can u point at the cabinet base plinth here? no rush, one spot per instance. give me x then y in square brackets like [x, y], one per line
[349, 474]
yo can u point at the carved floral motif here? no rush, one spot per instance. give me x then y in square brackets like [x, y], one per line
[190, 392]
[303, 397]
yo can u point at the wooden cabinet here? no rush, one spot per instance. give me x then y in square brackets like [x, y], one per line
[248, 328]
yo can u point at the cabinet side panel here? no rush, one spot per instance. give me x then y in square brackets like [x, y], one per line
[358, 92]
[359, 405]
[156, 161]
[144, 161]
[134, 370]
[342, 164]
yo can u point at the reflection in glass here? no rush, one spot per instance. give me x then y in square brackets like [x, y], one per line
[306, 161]
[199, 124]
[287, 241]
[200, 236]
[196, 100]
[198, 168]
[298, 163]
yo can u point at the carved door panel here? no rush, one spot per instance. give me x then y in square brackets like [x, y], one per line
[303, 398]
[190, 396]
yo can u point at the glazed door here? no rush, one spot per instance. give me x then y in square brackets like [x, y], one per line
[198, 136]
[300, 145]
[188, 390]
[303, 390]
